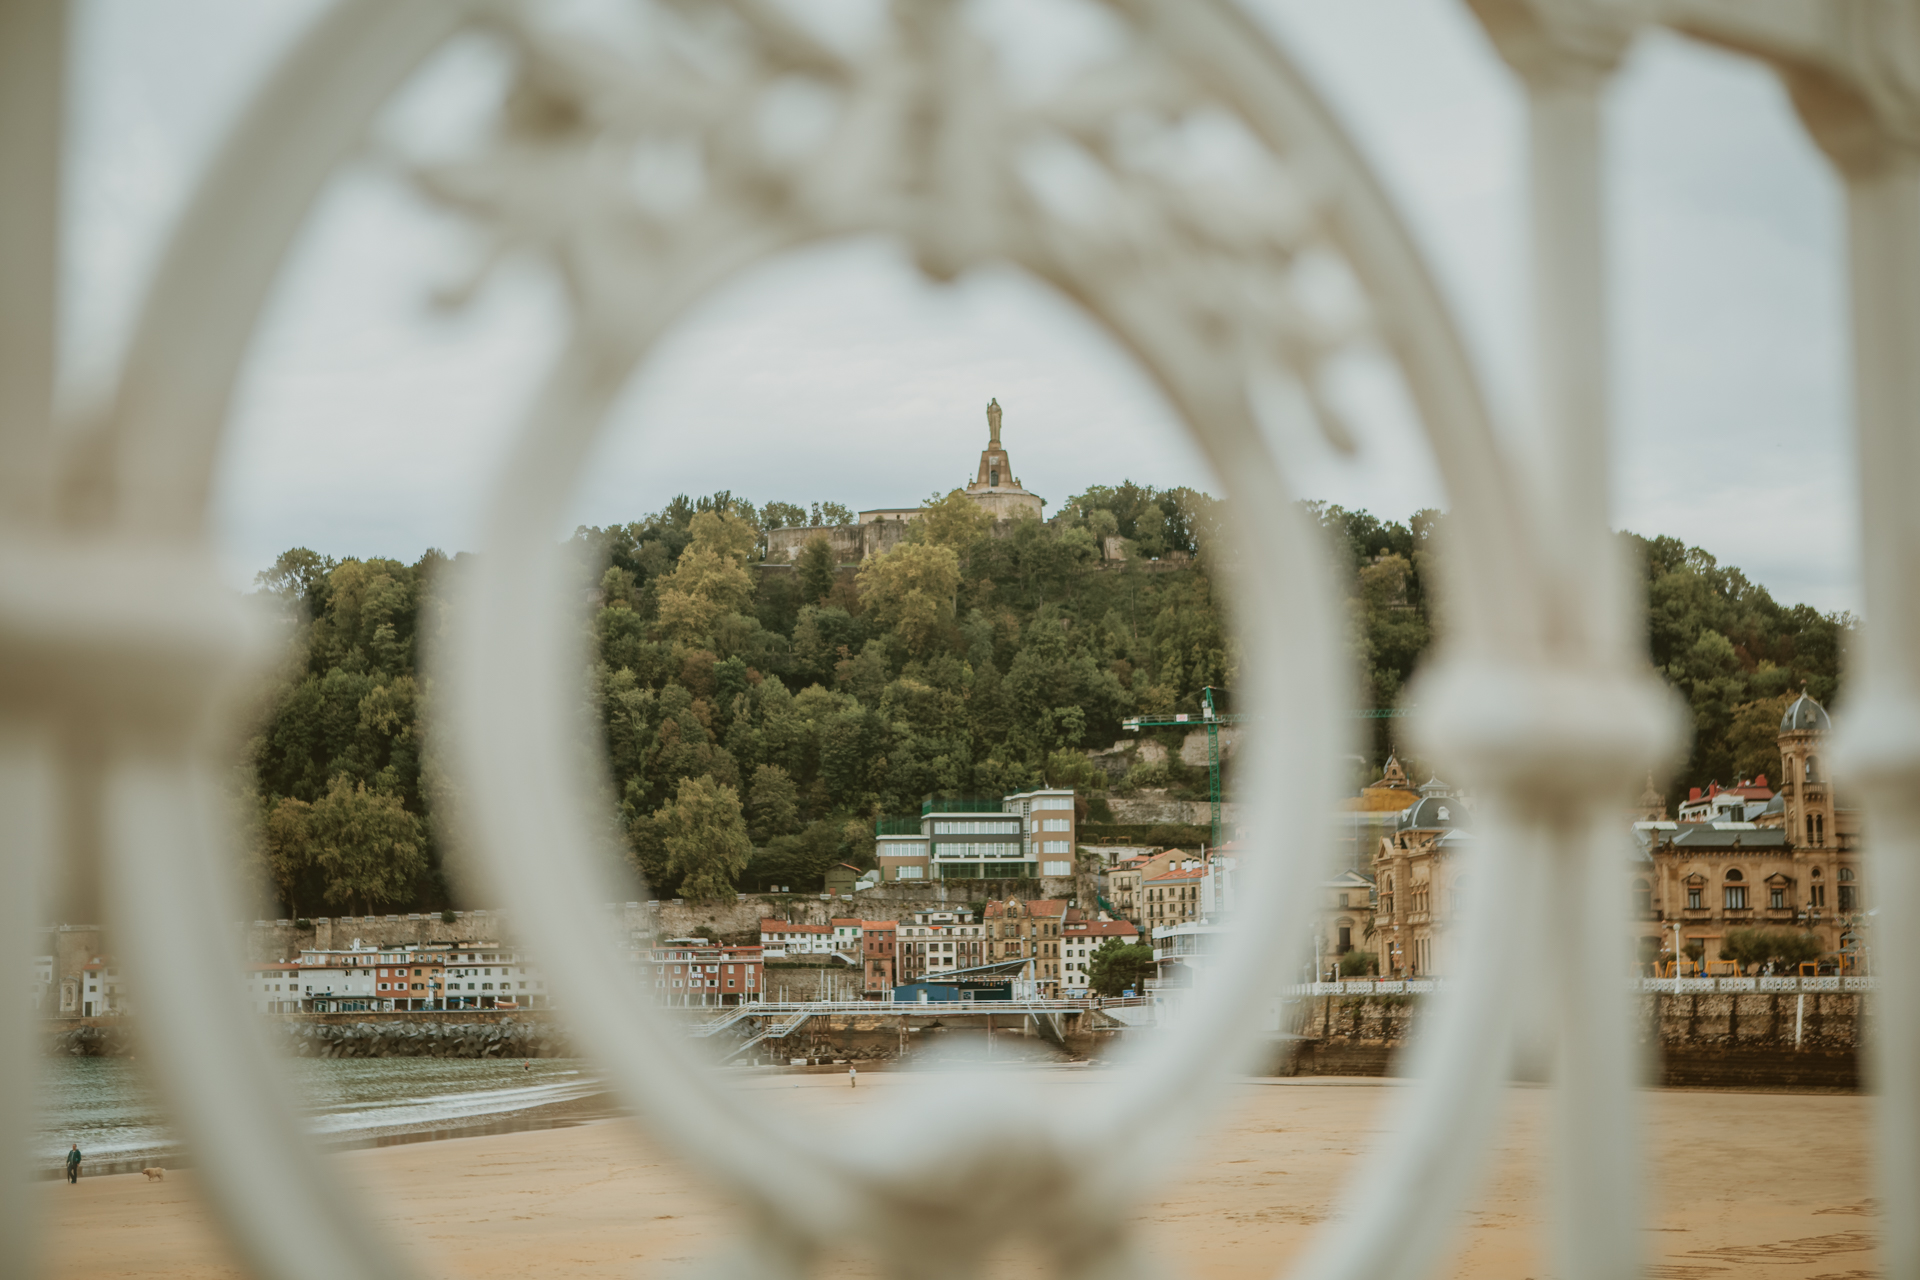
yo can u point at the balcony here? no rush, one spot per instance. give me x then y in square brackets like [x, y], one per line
[964, 804]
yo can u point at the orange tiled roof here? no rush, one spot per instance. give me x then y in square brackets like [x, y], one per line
[1380, 800]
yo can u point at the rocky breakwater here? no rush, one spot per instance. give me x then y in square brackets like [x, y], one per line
[506, 1038]
[90, 1039]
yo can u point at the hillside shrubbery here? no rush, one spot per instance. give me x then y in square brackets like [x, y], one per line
[767, 716]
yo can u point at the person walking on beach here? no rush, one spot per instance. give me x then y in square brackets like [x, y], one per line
[73, 1164]
[853, 1077]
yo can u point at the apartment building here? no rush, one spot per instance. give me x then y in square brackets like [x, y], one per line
[1027, 834]
[693, 972]
[1079, 939]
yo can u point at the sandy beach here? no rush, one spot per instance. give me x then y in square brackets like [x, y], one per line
[1768, 1185]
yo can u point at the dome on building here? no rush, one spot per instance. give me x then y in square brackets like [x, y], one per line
[1435, 813]
[1805, 715]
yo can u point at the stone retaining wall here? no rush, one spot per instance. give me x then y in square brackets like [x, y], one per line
[1753, 1039]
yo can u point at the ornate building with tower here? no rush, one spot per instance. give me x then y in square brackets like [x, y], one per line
[995, 487]
[1792, 861]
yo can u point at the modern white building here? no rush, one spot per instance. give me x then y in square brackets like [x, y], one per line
[781, 938]
[1079, 939]
[1028, 834]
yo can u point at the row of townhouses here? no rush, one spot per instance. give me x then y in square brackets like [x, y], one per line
[1041, 948]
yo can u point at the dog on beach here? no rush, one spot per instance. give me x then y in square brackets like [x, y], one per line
[155, 1175]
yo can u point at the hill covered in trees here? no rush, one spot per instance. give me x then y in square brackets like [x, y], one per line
[758, 719]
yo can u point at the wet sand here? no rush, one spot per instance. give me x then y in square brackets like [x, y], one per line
[1745, 1184]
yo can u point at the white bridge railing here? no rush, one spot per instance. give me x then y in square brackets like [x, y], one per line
[1189, 190]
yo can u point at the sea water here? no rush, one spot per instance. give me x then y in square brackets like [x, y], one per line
[108, 1106]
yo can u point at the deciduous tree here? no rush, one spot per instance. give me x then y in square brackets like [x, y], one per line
[1119, 966]
[911, 590]
[286, 848]
[711, 580]
[705, 838]
[367, 845]
[774, 802]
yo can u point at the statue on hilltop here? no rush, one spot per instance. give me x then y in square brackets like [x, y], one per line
[993, 422]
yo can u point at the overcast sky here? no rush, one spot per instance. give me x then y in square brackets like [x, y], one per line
[368, 424]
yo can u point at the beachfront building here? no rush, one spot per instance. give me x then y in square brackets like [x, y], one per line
[783, 938]
[935, 943]
[421, 977]
[276, 986]
[1345, 917]
[691, 973]
[1029, 931]
[488, 975]
[1079, 939]
[371, 979]
[97, 989]
[878, 943]
[1028, 834]
[1417, 879]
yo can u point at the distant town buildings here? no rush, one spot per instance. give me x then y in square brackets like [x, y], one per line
[1079, 939]
[1785, 859]
[1027, 834]
[935, 944]
[699, 973]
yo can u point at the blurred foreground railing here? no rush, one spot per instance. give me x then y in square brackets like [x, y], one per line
[1186, 187]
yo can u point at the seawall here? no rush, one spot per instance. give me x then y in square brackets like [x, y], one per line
[1734, 1040]
[468, 1034]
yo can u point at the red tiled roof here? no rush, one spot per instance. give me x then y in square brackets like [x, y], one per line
[1175, 874]
[1103, 929]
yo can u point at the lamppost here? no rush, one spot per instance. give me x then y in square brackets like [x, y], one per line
[1676, 957]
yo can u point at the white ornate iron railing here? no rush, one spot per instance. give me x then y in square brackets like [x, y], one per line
[120, 650]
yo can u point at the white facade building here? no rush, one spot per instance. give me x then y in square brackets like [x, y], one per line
[1079, 939]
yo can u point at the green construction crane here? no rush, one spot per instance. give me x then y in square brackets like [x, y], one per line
[1213, 720]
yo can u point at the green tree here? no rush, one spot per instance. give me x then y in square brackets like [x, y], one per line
[367, 845]
[1117, 966]
[705, 838]
[954, 521]
[286, 849]
[1358, 964]
[1753, 738]
[711, 580]
[911, 589]
[773, 803]
[783, 515]
[816, 570]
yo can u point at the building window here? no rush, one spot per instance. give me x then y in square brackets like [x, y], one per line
[1776, 898]
[1736, 897]
[1056, 868]
[1693, 898]
[1642, 898]
[1734, 876]
[1847, 902]
[1817, 896]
